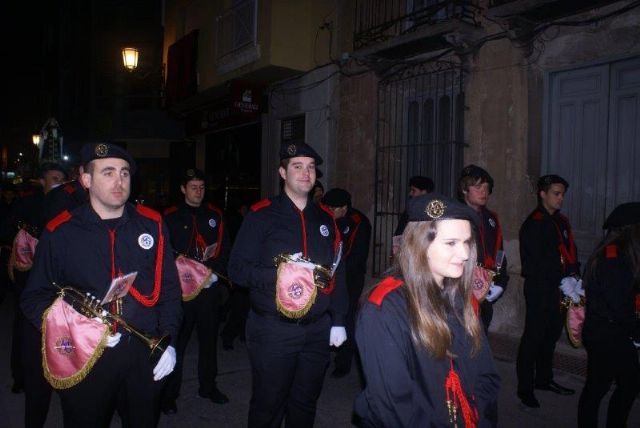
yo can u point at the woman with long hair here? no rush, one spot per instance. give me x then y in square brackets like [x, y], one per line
[424, 354]
[611, 333]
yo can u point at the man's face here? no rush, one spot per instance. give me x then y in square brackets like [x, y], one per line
[193, 192]
[299, 176]
[552, 199]
[51, 179]
[477, 195]
[414, 191]
[109, 184]
[339, 212]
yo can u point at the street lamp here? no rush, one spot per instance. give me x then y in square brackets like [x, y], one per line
[130, 58]
[36, 139]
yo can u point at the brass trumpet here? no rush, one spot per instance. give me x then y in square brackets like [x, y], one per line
[321, 274]
[90, 307]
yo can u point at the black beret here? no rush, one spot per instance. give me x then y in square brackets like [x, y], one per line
[623, 215]
[53, 166]
[546, 181]
[294, 149]
[422, 183]
[432, 206]
[93, 151]
[477, 173]
[337, 198]
[193, 174]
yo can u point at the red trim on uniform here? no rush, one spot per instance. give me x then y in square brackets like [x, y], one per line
[611, 251]
[489, 261]
[383, 288]
[63, 217]
[569, 255]
[304, 233]
[475, 304]
[220, 229]
[638, 303]
[170, 210]
[357, 220]
[537, 215]
[69, 188]
[152, 299]
[457, 397]
[260, 204]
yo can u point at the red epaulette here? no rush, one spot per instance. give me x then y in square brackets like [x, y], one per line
[214, 209]
[69, 188]
[148, 212]
[611, 251]
[63, 217]
[326, 209]
[383, 288]
[260, 204]
[170, 210]
[357, 218]
[537, 215]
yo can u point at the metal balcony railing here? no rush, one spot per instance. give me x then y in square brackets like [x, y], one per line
[379, 20]
[237, 28]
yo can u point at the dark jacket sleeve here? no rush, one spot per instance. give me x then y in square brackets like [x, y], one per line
[360, 250]
[390, 398]
[169, 305]
[487, 387]
[539, 254]
[339, 298]
[219, 263]
[245, 266]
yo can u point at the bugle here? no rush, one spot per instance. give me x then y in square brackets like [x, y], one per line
[90, 307]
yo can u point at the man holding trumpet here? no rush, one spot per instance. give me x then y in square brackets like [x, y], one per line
[287, 253]
[107, 241]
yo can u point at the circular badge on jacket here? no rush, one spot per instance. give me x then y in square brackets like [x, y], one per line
[492, 222]
[212, 222]
[324, 231]
[145, 241]
[346, 230]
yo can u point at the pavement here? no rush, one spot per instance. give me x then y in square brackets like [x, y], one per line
[334, 408]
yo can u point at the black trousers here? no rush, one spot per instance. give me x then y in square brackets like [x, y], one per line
[344, 353]
[486, 314]
[610, 357]
[201, 313]
[237, 317]
[122, 380]
[542, 328]
[288, 365]
[37, 391]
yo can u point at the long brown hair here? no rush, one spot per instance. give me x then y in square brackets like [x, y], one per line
[627, 238]
[428, 304]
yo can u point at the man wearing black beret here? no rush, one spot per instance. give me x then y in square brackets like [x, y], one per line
[104, 240]
[355, 230]
[298, 302]
[548, 255]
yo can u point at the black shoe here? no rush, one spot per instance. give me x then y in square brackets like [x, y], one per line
[558, 389]
[169, 408]
[528, 399]
[338, 373]
[216, 396]
[17, 388]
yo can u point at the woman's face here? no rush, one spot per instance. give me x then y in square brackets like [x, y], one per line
[449, 250]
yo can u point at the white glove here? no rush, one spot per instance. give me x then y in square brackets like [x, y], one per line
[297, 259]
[212, 280]
[495, 291]
[568, 286]
[636, 344]
[166, 363]
[113, 339]
[579, 290]
[337, 336]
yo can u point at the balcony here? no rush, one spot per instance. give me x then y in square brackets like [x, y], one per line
[236, 36]
[394, 28]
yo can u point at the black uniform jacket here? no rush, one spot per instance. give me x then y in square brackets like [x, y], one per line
[405, 384]
[65, 197]
[193, 229]
[355, 231]
[276, 226]
[489, 243]
[611, 299]
[76, 250]
[541, 237]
